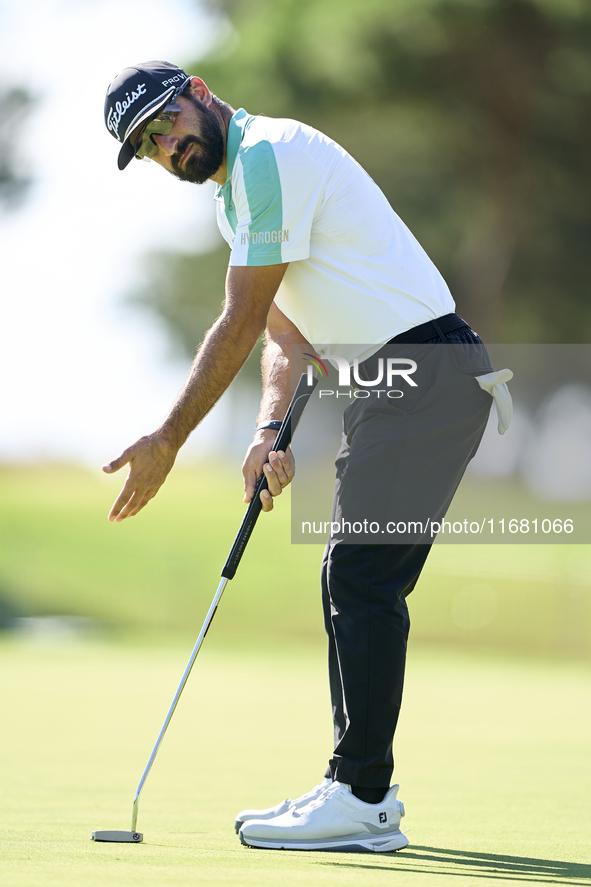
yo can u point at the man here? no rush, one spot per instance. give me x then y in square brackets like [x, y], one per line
[318, 259]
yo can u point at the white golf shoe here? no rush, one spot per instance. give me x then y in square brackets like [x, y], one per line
[283, 807]
[335, 820]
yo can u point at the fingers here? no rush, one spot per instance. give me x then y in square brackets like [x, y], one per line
[110, 467]
[150, 460]
[124, 459]
[278, 471]
[118, 463]
[250, 482]
[133, 497]
[266, 501]
[127, 503]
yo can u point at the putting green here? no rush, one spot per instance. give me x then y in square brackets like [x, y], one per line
[492, 756]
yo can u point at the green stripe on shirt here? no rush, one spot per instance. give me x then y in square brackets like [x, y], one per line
[263, 195]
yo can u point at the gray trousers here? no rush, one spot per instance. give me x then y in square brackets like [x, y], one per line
[400, 462]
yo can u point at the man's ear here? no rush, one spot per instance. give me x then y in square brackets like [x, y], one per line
[200, 91]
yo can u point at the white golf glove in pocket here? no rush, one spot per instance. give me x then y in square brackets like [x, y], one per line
[496, 385]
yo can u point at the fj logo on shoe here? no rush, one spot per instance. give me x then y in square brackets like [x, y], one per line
[383, 817]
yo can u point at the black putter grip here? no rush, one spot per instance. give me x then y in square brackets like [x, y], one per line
[299, 400]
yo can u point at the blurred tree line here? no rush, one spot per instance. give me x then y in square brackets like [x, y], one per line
[15, 103]
[474, 118]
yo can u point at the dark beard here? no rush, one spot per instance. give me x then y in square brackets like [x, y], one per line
[208, 156]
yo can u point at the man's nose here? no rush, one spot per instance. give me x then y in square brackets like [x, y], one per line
[166, 143]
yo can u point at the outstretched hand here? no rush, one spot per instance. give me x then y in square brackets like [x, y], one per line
[149, 459]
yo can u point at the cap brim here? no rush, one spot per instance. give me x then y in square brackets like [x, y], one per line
[127, 152]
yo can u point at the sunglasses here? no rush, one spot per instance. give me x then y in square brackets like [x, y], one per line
[162, 124]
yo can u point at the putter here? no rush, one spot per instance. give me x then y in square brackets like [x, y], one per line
[299, 400]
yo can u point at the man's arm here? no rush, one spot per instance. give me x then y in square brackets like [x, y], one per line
[249, 294]
[282, 361]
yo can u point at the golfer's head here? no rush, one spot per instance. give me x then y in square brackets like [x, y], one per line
[160, 113]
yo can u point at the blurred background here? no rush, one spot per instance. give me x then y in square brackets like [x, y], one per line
[473, 116]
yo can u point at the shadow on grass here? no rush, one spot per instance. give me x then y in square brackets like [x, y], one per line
[464, 863]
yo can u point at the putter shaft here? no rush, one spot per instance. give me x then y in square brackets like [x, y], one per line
[299, 400]
[181, 687]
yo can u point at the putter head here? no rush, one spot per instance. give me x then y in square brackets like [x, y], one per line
[116, 837]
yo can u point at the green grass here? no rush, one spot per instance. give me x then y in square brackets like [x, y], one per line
[492, 750]
[492, 756]
[158, 572]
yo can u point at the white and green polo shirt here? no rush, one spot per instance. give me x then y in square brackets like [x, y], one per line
[356, 273]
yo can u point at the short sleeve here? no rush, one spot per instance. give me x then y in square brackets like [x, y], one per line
[271, 226]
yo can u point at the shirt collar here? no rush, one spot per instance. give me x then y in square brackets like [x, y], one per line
[236, 128]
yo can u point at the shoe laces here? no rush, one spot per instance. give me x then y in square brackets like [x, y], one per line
[316, 802]
[312, 794]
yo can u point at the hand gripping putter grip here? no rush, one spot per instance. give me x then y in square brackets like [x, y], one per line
[301, 396]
